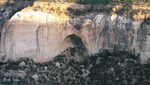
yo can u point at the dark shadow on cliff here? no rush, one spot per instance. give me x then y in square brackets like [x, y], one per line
[147, 21]
[9, 8]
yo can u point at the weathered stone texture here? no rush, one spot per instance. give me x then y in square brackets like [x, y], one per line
[42, 36]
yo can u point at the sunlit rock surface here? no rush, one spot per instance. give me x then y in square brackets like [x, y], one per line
[35, 35]
[42, 35]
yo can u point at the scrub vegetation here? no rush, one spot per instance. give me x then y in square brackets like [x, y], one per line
[105, 68]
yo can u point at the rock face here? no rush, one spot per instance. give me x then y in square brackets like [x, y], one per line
[30, 35]
[42, 36]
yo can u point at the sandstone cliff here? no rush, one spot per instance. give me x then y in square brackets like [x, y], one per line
[41, 34]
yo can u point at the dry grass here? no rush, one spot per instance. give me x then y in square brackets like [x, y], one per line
[141, 7]
[57, 9]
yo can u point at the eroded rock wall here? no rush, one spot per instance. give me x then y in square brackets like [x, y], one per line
[42, 36]
[39, 34]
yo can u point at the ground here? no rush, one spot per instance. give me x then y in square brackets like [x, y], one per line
[105, 68]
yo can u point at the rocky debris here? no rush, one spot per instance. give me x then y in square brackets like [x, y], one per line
[35, 77]
[105, 68]
[22, 64]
